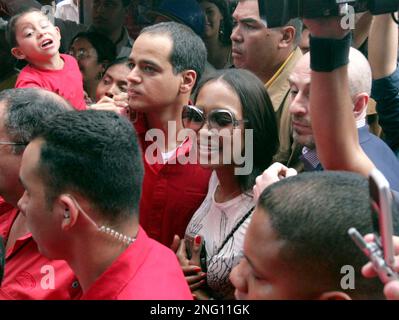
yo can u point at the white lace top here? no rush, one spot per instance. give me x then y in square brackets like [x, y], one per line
[214, 221]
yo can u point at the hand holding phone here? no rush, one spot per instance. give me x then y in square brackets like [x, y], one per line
[195, 248]
[380, 251]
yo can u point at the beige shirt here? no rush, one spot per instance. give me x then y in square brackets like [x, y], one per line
[279, 91]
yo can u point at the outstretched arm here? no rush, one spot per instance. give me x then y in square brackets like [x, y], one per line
[333, 123]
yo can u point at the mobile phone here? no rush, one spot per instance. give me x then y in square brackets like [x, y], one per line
[381, 214]
[381, 251]
[189, 242]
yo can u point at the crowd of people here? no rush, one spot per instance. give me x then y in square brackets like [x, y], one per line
[206, 156]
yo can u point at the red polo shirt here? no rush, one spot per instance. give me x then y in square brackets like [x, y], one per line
[67, 82]
[146, 270]
[28, 274]
[171, 192]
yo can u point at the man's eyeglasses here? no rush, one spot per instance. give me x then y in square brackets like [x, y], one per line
[194, 118]
[80, 54]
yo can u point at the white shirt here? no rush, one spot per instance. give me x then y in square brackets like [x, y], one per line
[67, 10]
[214, 221]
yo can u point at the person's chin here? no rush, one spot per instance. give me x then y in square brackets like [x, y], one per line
[209, 33]
[209, 158]
[238, 62]
[305, 140]
[136, 105]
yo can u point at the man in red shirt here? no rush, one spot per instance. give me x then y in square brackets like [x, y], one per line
[166, 61]
[82, 175]
[28, 274]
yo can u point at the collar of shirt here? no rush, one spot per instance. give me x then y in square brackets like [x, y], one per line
[141, 126]
[28, 273]
[6, 222]
[278, 86]
[360, 123]
[121, 271]
[124, 44]
[310, 155]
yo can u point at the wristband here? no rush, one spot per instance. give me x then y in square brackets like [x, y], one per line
[327, 55]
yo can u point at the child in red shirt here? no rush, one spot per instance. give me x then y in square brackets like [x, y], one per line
[35, 39]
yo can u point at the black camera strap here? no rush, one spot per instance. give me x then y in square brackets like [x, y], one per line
[239, 223]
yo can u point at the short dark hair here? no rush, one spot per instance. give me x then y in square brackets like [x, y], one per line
[95, 154]
[258, 110]
[121, 60]
[26, 110]
[12, 23]
[298, 26]
[312, 213]
[105, 48]
[188, 49]
[226, 26]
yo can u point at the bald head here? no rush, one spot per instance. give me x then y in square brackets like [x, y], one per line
[359, 74]
[359, 71]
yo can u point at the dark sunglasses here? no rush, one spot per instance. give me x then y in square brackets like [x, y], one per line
[194, 118]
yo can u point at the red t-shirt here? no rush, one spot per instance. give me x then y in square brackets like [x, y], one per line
[29, 275]
[67, 82]
[146, 270]
[171, 192]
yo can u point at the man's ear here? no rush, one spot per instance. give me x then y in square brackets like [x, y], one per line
[360, 104]
[287, 36]
[334, 295]
[189, 77]
[58, 32]
[17, 53]
[68, 212]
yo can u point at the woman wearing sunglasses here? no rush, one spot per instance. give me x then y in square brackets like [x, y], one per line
[229, 105]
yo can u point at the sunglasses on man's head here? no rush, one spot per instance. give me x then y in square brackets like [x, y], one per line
[194, 118]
